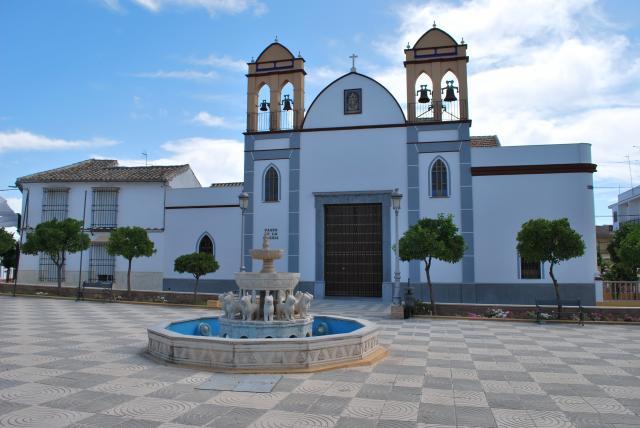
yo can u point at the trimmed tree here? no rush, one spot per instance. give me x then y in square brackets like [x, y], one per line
[197, 264]
[130, 243]
[56, 239]
[551, 241]
[430, 239]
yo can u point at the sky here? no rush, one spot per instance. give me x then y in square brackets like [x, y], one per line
[115, 79]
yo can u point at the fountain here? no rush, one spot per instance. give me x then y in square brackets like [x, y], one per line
[266, 328]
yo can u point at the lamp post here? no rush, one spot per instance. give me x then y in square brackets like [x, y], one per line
[243, 198]
[396, 197]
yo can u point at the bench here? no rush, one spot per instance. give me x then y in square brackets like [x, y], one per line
[574, 304]
[106, 286]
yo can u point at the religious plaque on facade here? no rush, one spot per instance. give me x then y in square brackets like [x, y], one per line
[352, 101]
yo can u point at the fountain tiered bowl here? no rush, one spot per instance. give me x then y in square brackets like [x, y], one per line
[291, 340]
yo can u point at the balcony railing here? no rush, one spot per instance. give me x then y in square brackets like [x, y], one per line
[438, 111]
[271, 121]
[621, 290]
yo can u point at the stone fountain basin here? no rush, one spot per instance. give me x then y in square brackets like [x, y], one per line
[359, 346]
[267, 281]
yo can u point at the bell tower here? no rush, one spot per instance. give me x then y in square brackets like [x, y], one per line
[275, 67]
[440, 64]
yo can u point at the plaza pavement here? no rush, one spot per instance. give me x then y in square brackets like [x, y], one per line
[82, 364]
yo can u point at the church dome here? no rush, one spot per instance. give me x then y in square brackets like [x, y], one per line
[353, 100]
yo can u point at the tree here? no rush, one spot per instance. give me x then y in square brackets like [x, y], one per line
[619, 270]
[9, 259]
[197, 264]
[130, 243]
[551, 241]
[56, 238]
[6, 241]
[430, 239]
[628, 252]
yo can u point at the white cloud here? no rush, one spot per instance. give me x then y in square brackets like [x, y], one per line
[20, 140]
[212, 160]
[224, 61]
[206, 119]
[540, 72]
[213, 7]
[178, 74]
[15, 204]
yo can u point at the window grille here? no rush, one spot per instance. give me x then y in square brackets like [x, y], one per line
[104, 209]
[271, 185]
[48, 271]
[439, 185]
[55, 204]
[101, 264]
[206, 245]
[530, 269]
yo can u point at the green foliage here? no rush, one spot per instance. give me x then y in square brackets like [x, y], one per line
[618, 237]
[10, 258]
[197, 264]
[6, 241]
[629, 250]
[550, 241]
[57, 238]
[622, 270]
[130, 243]
[432, 238]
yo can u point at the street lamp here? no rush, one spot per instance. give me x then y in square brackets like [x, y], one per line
[396, 197]
[243, 198]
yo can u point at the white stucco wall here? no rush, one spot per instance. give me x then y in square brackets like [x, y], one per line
[185, 226]
[432, 206]
[502, 203]
[271, 215]
[346, 161]
[378, 105]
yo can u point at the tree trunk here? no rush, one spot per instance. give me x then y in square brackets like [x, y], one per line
[59, 278]
[195, 291]
[129, 280]
[427, 270]
[555, 287]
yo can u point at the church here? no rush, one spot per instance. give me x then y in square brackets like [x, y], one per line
[319, 182]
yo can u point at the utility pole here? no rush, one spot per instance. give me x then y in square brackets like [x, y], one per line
[630, 175]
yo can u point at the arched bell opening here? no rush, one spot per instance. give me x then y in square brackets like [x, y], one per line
[423, 101]
[449, 90]
[264, 108]
[286, 106]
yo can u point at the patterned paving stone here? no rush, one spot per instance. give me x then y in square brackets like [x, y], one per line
[440, 373]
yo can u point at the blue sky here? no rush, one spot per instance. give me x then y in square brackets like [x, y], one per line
[115, 78]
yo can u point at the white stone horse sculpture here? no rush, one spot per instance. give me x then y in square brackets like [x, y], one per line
[268, 308]
[248, 308]
[303, 303]
[286, 308]
[230, 305]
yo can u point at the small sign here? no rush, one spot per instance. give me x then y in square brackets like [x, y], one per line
[272, 233]
[352, 101]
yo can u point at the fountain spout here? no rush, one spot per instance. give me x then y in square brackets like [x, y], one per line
[267, 255]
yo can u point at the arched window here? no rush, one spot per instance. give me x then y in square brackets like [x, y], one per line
[271, 185]
[205, 245]
[439, 179]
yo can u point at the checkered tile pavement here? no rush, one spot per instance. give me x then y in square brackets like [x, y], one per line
[82, 364]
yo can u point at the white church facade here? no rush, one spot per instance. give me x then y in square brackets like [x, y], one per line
[320, 181]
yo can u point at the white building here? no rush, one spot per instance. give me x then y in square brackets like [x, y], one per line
[627, 209]
[320, 183]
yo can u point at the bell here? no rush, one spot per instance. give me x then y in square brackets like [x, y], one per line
[287, 103]
[264, 105]
[424, 94]
[450, 96]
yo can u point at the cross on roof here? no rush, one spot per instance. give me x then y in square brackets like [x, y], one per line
[353, 62]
